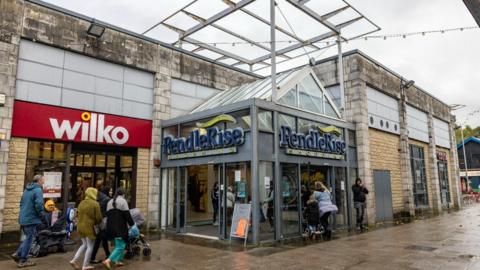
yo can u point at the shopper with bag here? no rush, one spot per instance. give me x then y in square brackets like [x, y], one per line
[89, 216]
[118, 220]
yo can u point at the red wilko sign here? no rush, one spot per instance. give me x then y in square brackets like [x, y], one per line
[32, 120]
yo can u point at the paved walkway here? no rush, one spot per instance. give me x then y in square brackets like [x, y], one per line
[450, 241]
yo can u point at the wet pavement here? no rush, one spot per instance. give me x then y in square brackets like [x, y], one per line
[449, 241]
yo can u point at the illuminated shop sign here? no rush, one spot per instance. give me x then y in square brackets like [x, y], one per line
[40, 121]
[321, 143]
[206, 140]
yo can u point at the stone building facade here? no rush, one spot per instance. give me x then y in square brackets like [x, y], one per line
[387, 149]
[34, 22]
[23, 21]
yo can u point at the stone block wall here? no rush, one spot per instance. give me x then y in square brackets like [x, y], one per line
[142, 184]
[384, 155]
[15, 183]
[25, 20]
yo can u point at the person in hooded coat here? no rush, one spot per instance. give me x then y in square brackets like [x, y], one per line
[103, 199]
[118, 220]
[89, 215]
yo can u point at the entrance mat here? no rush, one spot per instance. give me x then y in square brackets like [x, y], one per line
[420, 248]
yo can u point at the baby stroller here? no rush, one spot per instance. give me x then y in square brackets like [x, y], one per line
[311, 220]
[49, 239]
[136, 241]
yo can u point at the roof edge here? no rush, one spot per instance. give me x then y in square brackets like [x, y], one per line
[467, 140]
[135, 35]
[369, 58]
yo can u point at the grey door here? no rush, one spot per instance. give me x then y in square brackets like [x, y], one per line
[383, 195]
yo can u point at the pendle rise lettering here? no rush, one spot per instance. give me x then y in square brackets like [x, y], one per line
[313, 141]
[94, 130]
[213, 138]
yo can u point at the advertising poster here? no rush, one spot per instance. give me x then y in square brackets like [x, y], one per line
[52, 188]
[241, 189]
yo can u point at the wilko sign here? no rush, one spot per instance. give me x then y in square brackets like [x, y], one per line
[33, 120]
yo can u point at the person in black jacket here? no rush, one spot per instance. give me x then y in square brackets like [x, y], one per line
[103, 199]
[118, 220]
[311, 214]
[359, 198]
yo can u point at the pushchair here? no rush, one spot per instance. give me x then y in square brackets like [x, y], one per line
[311, 221]
[136, 241]
[50, 238]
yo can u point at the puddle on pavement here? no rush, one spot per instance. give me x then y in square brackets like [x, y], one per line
[420, 248]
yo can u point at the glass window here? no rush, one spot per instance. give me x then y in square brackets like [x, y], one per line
[352, 139]
[111, 161]
[286, 120]
[170, 131]
[267, 200]
[310, 96]
[265, 120]
[304, 126]
[443, 178]
[100, 161]
[419, 176]
[290, 98]
[290, 199]
[45, 157]
[238, 182]
[88, 160]
[243, 120]
[79, 160]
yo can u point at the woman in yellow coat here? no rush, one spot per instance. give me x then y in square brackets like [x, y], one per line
[88, 215]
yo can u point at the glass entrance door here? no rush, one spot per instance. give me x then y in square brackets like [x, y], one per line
[201, 202]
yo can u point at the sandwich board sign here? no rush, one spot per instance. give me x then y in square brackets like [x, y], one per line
[240, 221]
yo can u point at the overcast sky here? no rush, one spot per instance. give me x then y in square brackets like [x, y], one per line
[446, 65]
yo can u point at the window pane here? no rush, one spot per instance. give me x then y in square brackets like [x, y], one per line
[79, 160]
[111, 161]
[265, 120]
[100, 161]
[290, 201]
[267, 200]
[126, 161]
[310, 95]
[59, 152]
[88, 160]
[33, 149]
[243, 120]
[286, 120]
[290, 98]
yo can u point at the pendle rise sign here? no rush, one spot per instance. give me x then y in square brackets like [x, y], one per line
[32, 120]
[321, 143]
[206, 140]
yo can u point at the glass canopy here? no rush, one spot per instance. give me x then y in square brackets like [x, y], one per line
[298, 88]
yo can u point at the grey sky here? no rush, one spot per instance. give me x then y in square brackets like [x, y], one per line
[446, 65]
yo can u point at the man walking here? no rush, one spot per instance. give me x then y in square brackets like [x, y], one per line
[31, 215]
[359, 198]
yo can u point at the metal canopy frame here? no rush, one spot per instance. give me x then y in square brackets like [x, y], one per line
[261, 62]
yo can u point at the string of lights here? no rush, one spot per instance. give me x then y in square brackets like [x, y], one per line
[328, 42]
[307, 42]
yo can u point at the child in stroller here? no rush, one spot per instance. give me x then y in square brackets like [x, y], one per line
[136, 241]
[51, 234]
[311, 218]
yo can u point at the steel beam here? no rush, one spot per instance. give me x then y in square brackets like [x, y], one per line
[296, 46]
[170, 16]
[216, 17]
[219, 27]
[216, 50]
[314, 15]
